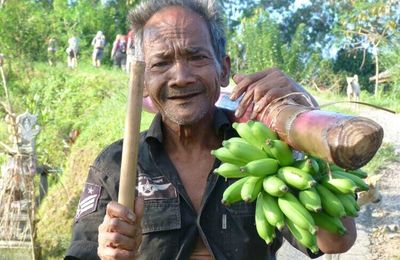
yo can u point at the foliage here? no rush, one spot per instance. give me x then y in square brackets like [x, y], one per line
[26, 26]
[259, 45]
[22, 30]
[368, 25]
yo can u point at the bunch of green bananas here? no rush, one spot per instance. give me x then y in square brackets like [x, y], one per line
[302, 194]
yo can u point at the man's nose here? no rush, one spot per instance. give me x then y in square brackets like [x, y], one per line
[182, 75]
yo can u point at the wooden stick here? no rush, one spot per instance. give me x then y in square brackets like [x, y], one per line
[127, 182]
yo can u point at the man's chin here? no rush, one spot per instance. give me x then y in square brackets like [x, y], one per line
[185, 118]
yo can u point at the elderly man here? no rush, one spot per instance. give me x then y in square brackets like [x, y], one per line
[178, 213]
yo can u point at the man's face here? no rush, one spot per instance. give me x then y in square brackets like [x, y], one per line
[181, 74]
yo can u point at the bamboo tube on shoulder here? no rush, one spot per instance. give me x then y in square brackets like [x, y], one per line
[348, 141]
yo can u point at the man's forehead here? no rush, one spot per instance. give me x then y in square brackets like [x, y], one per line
[175, 17]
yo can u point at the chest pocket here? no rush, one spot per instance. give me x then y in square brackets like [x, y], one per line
[161, 215]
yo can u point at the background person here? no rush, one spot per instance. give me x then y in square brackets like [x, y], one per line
[130, 50]
[98, 43]
[118, 52]
[72, 52]
[51, 51]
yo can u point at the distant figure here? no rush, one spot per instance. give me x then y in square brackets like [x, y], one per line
[1, 59]
[51, 51]
[118, 52]
[353, 88]
[98, 43]
[130, 50]
[72, 51]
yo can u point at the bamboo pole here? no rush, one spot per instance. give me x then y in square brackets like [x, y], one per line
[348, 141]
[127, 183]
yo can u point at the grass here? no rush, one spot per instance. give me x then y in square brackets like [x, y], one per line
[384, 156]
[387, 100]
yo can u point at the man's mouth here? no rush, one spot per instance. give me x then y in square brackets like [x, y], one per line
[184, 96]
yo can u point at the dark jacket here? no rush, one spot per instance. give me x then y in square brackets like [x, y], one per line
[170, 224]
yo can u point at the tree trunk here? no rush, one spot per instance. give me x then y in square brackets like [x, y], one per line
[376, 71]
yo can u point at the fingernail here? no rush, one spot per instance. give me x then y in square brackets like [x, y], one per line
[131, 217]
[237, 113]
[256, 108]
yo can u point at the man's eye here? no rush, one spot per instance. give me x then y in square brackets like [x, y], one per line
[160, 64]
[198, 57]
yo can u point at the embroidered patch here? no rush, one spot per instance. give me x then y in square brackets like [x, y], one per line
[88, 201]
[155, 188]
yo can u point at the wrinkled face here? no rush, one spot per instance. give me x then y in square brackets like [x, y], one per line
[181, 74]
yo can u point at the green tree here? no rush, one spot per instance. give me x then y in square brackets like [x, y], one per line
[261, 42]
[368, 25]
[22, 29]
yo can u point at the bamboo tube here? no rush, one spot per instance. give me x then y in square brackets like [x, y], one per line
[127, 183]
[347, 141]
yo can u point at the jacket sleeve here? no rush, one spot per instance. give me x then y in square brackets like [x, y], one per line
[101, 187]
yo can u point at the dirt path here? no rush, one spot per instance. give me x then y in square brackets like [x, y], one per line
[378, 225]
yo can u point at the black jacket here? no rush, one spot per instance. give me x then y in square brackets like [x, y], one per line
[170, 224]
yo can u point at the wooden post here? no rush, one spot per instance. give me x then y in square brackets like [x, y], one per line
[127, 183]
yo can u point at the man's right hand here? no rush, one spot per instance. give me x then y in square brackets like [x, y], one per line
[120, 233]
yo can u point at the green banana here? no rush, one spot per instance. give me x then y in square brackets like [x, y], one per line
[229, 170]
[329, 223]
[340, 185]
[303, 236]
[261, 167]
[261, 132]
[244, 151]
[296, 212]
[237, 139]
[359, 173]
[245, 132]
[308, 165]
[330, 203]
[296, 178]
[264, 229]
[349, 207]
[275, 186]
[232, 194]
[224, 155]
[322, 165]
[353, 200]
[280, 151]
[272, 211]
[251, 188]
[310, 199]
[357, 180]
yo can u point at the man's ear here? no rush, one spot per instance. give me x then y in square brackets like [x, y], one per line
[225, 71]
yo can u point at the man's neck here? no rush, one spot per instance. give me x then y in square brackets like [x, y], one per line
[198, 134]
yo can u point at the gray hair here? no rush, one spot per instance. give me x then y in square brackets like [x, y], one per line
[209, 10]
